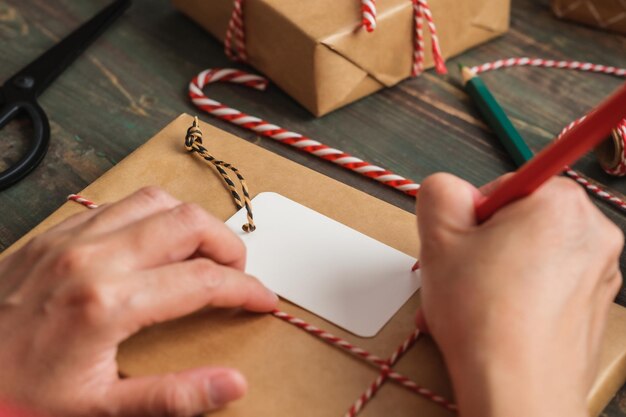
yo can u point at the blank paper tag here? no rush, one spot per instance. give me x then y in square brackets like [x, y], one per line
[335, 272]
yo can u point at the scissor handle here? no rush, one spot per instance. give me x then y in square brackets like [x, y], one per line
[39, 146]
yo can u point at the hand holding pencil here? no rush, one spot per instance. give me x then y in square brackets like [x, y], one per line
[517, 305]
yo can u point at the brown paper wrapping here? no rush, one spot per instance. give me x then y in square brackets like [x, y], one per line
[317, 52]
[291, 373]
[603, 14]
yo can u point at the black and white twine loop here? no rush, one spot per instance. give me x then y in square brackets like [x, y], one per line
[193, 144]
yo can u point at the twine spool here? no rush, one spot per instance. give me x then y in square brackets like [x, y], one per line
[610, 153]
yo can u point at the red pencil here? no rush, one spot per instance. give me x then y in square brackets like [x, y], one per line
[552, 160]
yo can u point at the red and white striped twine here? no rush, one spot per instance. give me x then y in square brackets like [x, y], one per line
[620, 169]
[368, 7]
[384, 365]
[235, 40]
[80, 200]
[235, 49]
[589, 186]
[595, 190]
[549, 63]
[279, 134]
[421, 10]
[320, 150]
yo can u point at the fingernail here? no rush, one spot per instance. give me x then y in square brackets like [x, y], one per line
[272, 294]
[226, 387]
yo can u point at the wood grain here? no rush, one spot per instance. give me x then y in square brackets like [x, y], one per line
[132, 82]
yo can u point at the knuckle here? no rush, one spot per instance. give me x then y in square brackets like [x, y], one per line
[239, 249]
[562, 196]
[208, 272]
[192, 212]
[40, 243]
[73, 259]
[175, 401]
[616, 285]
[86, 301]
[154, 195]
[572, 191]
[615, 239]
[191, 216]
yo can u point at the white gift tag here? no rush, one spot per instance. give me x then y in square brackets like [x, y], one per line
[335, 272]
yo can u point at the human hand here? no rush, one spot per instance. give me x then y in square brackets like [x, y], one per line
[71, 295]
[517, 304]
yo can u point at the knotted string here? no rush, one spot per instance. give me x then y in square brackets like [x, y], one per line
[193, 144]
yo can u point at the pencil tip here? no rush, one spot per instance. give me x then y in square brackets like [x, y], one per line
[467, 73]
[416, 266]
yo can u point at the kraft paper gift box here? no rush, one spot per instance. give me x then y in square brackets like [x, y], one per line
[603, 14]
[317, 51]
[291, 372]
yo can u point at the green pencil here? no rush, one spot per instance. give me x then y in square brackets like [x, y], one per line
[496, 117]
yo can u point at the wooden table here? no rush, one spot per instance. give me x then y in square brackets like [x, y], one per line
[133, 81]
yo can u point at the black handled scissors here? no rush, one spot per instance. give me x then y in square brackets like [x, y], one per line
[19, 93]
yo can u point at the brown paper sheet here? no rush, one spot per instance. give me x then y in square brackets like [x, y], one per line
[319, 54]
[603, 14]
[291, 373]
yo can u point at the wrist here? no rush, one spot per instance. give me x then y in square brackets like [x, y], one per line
[491, 384]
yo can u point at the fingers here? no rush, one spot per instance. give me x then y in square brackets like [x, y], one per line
[174, 235]
[179, 289]
[142, 203]
[445, 204]
[183, 394]
[77, 219]
[116, 307]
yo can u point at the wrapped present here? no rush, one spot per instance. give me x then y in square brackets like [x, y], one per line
[328, 53]
[604, 14]
[297, 363]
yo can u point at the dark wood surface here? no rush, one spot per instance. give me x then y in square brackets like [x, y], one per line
[132, 82]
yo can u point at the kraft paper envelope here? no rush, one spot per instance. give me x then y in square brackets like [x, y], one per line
[291, 373]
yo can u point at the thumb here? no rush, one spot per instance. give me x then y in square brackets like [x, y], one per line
[187, 393]
[445, 204]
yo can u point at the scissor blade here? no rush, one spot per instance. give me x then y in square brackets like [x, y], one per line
[41, 72]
